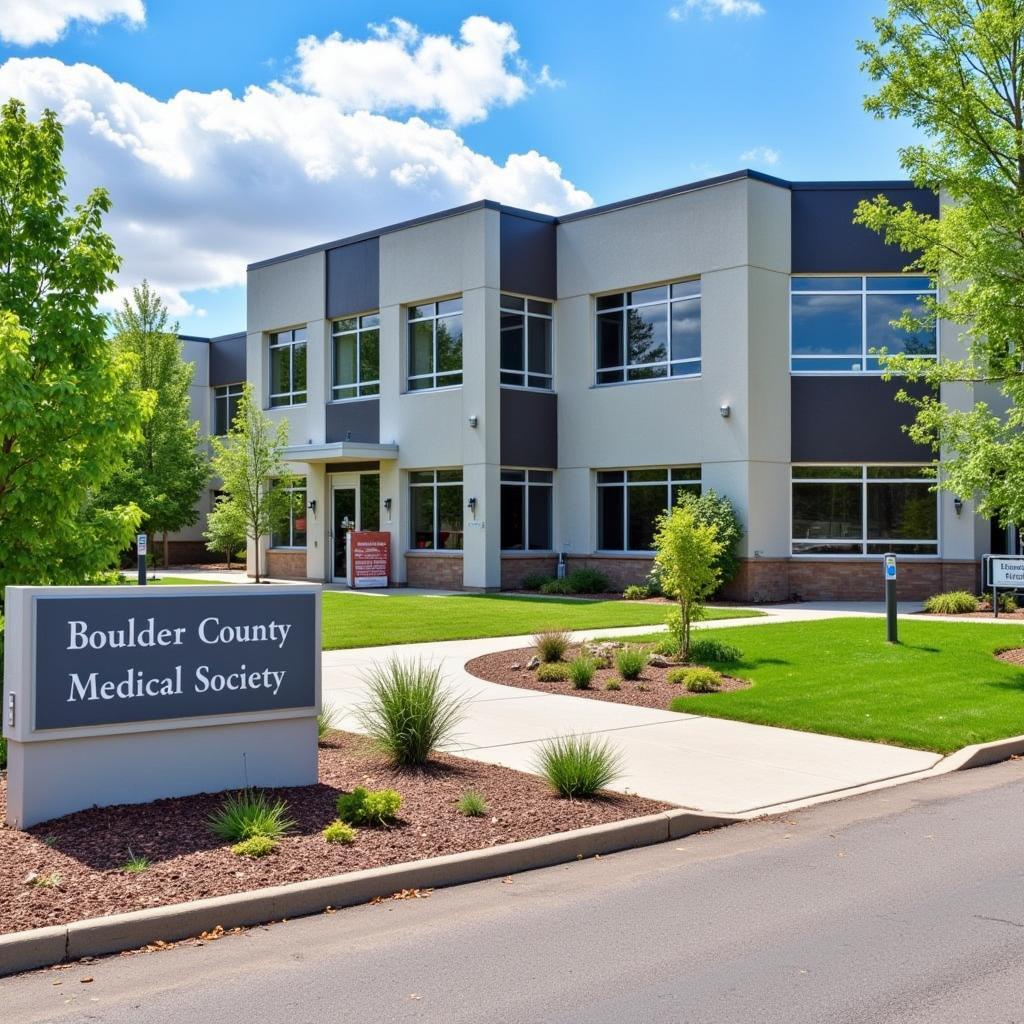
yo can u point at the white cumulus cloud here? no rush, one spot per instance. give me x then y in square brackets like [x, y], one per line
[711, 8]
[761, 155]
[205, 182]
[27, 22]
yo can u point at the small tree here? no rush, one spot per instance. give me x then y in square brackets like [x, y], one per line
[687, 553]
[225, 527]
[250, 464]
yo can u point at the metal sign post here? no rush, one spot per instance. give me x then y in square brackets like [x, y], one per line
[890, 599]
[140, 544]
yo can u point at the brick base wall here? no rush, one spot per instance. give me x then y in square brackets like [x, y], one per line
[621, 572]
[286, 565]
[515, 570]
[434, 571]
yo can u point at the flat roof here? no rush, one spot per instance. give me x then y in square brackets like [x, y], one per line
[212, 341]
[650, 197]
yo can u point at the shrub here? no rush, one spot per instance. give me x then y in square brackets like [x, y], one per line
[369, 807]
[339, 832]
[409, 714]
[552, 645]
[1007, 603]
[581, 673]
[705, 649]
[250, 813]
[559, 587]
[587, 581]
[613, 684]
[630, 662]
[254, 846]
[578, 766]
[135, 864]
[536, 581]
[553, 672]
[955, 602]
[636, 592]
[326, 722]
[697, 680]
[472, 804]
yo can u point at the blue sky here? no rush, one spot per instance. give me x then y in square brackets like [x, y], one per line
[634, 98]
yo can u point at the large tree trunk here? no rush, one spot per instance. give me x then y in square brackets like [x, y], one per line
[167, 551]
[257, 560]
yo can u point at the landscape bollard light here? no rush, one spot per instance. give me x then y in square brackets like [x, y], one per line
[140, 544]
[890, 599]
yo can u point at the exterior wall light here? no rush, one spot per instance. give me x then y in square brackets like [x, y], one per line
[725, 410]
[312, 507]
[473, 421]
[958, 504]
[472, 505]
[387, 505]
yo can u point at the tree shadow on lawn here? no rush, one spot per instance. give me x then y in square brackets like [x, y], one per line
[1015, 683]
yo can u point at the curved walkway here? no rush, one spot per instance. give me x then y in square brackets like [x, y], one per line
[705, 763]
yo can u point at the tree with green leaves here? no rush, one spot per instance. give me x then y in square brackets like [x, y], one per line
[687, 553]
[225, 527]
[254, 478]
[166, 471]
[955, 70]
[68, 413]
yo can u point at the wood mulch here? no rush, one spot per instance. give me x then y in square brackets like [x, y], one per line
[651, 690]
[69, 869]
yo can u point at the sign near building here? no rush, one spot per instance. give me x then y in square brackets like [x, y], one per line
[124, 694]
[1006, 571]
[371, 558]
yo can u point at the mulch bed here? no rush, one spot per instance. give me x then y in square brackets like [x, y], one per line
[1013, 656]
[84, 851]
[604, 596]
[651, 690]
[984, 613]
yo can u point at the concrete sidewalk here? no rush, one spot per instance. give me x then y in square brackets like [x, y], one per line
[703, 763]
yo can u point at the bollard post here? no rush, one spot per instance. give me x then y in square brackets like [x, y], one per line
[140, 544]
[891, 624]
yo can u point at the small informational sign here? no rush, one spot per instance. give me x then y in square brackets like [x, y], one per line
[141, 542]
[1006, 571]
[890, 567]
[371, 558]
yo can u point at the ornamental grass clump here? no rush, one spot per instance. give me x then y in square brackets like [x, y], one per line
[472, 804]
[630, 662]
[135, 864]
[955, 602]
[339, 832]
[326, 723]
[250, 813]
[369, 807]
[578, 766]
[551, 645]
[581, 673]
[409, 713]
[711, 649]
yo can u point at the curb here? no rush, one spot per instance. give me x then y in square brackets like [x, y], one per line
[44, 947]
[980, 754]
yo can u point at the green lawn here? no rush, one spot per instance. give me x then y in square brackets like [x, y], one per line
[939, 689]
[363, 620]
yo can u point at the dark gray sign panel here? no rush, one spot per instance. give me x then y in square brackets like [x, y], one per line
[109, 660]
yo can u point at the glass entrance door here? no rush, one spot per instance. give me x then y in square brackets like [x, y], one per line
[343, 522]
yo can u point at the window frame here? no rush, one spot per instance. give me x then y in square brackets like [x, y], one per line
[625, 305]
[433, 376]
[434, 485]
[526, 484]
[527, 313]
[292, 344]
[864, 292]
[226, 398]
[358, 331]
[626, 484]
[864, 481]
[292, 488]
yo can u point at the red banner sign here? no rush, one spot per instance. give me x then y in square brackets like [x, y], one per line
[371, 558]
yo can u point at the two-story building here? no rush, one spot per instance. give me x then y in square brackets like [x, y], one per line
[493, 387]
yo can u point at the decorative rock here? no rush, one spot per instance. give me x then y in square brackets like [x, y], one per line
[515, 667]
[658, 661]
[533, 663]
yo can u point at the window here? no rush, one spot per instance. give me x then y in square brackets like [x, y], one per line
[526, 509]
[356, 343]
[369, 501]
[525, 342]
[225, 407]
[435, 344]
[435, 499]
[865, 510]
[649, 334]
[288, 367]
[835, 322]
[292, 533]
[629, 501]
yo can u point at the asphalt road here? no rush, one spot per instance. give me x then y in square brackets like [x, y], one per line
[905, 905]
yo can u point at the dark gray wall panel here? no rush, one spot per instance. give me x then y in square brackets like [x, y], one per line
[353, 278]
[852, 419]
[361, 419]
[825, 239]
[528, 263]
[227, 359]
[529, 429]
